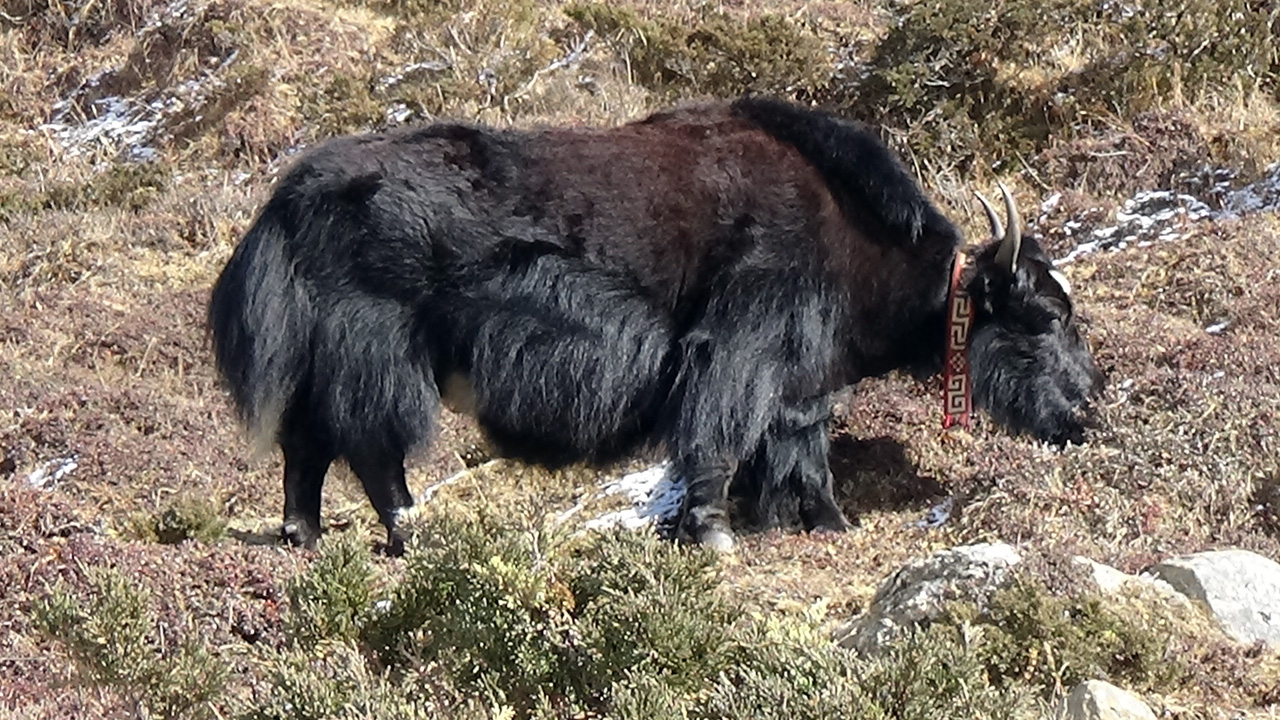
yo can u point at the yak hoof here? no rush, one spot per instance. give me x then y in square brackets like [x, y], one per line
[297, 533]
[717, 539]
[831, 527]
[394, 546]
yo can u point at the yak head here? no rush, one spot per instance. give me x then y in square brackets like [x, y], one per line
[1031, 369]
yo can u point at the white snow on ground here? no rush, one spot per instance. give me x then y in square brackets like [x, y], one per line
[398, 77]
[655, 497]
[52, 472]
[1145, 218]
[125, 125]
[1261, 196]
[938, 515]
[1161, 215]
[116, 123]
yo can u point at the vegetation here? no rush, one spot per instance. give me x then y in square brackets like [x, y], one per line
[187, 518]
[526, 620]
[138, 137]
[967, 82]
[109, 638]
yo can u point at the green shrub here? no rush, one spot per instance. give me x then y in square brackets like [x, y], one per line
[713, 53]
[971, 84]
[187, 517]
[501, 618]
[524, 619]
[445, 57]
[131, 186]
[344, 104]
[334, 681]
[1151, 53]
[1030, 636]
[519, 616]
[331, 600]
[109, 639]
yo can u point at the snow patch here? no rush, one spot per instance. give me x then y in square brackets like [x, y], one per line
[654, 494]
[1260, 196]
[398, 77]
[127, 125]
[937, 515]
[1148, 217]
[52, 472]
[117, 122]
[1156, 216]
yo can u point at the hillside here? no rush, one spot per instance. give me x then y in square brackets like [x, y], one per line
[139, 137]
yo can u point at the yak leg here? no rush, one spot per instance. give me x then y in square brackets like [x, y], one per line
[382, 475]
[764, 341]
[793, 459]
[306, 460]
[712, 420]
[808, 432]
[704, 517]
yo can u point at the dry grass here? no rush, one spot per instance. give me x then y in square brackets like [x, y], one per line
[104, 274]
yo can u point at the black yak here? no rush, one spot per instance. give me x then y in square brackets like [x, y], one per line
[699, 281]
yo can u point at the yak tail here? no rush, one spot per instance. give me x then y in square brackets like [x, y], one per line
[309, 352]
[261, 320]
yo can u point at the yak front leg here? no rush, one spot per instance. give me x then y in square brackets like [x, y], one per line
[792, 461]
[811, 478]
[704, 515]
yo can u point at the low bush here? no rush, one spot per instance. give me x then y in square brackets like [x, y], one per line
[711, 53]
[111, 640]
[500, 617]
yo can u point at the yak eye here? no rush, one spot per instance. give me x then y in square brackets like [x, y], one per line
[1062, 307]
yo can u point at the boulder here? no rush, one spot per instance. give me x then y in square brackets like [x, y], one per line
[1110, 581]
[1240, 588]
[919, 592]
[1098, 700]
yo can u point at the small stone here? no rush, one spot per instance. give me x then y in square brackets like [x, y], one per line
[1098, 700]
[1240, 588]
[919, 592]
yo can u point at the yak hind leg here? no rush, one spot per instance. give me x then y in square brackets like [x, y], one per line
[382, 475]
[306, 461]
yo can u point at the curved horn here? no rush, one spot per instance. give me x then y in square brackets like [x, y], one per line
[997, 230]
[1007, 255]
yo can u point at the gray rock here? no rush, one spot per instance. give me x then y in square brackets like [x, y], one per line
[919, 592]
[1110, 581]
[1097, 700]
[1240, 588]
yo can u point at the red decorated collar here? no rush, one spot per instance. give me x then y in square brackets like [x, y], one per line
[957, 386]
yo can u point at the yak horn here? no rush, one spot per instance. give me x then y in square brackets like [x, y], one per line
[1007, 255]
[997, 230]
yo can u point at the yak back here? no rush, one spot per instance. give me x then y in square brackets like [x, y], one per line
[668, 203]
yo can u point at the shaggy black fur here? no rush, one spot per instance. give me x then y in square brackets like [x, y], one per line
[701, 280]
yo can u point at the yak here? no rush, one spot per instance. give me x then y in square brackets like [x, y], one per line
[699, 282]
